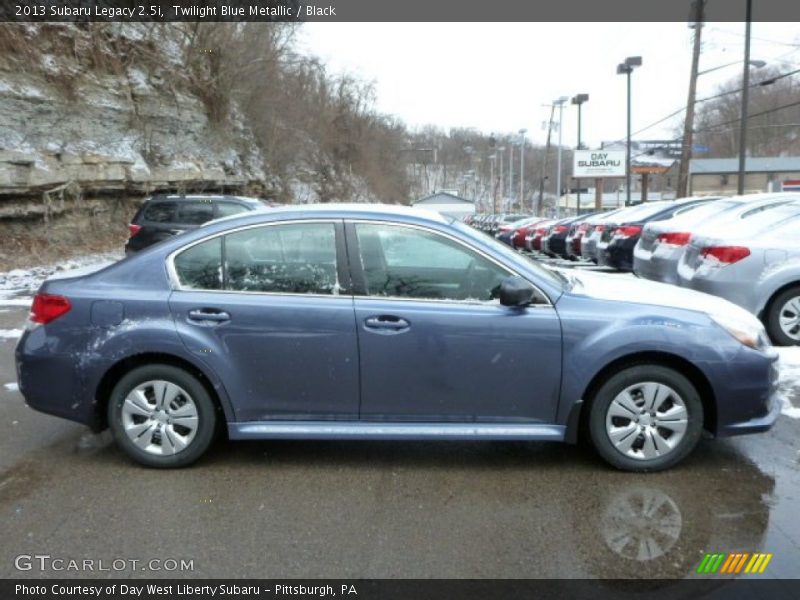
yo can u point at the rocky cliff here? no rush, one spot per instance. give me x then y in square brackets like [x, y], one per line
[85, 115]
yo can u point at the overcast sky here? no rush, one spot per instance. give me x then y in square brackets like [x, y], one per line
[496, 77]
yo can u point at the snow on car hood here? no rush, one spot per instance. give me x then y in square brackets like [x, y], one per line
[632, 289]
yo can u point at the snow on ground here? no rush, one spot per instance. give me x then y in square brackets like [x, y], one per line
[790, 379]
[17, 285]
[11, 387]
[6, 334]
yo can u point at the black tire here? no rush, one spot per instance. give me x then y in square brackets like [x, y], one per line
[205, 409]
[776, 307]
[636, 375]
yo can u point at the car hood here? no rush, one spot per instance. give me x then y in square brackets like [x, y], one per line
[626, 288]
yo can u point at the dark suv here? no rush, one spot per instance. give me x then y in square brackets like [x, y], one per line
[163, 216]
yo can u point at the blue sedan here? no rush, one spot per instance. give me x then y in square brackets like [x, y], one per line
[380, 322]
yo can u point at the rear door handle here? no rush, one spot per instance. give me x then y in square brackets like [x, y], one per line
[389, 322]
[209, 314]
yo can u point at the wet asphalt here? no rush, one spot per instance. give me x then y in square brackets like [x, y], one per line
[282, 509]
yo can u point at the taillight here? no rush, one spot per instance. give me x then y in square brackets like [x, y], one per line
[675, 238]
[726, 254]
[541, 231]
[559, 229]
[134, 229]
[583, 227]
[627, 231]
[48, 307]
[599, 228]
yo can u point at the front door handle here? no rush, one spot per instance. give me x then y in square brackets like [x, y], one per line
[209, 314]
[390, 322]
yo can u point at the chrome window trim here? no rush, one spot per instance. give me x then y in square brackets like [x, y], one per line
[176, 285]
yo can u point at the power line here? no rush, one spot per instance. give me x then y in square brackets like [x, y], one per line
[764, 82]
[711, 128]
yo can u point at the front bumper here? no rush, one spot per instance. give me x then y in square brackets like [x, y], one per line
[756, 424]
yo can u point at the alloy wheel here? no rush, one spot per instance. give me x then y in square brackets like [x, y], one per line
[160, 417]
[646, 421]
[789, 318]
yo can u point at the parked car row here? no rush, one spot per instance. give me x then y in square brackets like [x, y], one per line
[492, 223]
[745, 249]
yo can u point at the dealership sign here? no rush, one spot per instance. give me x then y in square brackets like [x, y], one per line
[599, 163]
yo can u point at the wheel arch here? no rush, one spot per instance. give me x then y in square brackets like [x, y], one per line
[114, 373]
[577, 423]
[767, 306]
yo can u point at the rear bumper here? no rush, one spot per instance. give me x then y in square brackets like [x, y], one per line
[658, 265]
[50, 382]
[721, 282]
[619, 254]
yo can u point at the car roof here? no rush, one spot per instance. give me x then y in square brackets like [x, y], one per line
[343, 210]
[194, 197]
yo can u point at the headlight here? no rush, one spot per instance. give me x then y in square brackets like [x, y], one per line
[749, 331]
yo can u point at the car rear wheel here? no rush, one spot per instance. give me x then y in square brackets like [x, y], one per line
[645, 418]
[162, 416]
[783, 318]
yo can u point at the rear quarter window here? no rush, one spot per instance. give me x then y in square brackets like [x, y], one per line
[226, 209]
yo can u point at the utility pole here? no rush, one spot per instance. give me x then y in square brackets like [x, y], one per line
[522, 169]
[745, 100]
[688, 124]
[510, 171]
[546, 156]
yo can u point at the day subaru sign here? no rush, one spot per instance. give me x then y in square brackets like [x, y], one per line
[599, 163]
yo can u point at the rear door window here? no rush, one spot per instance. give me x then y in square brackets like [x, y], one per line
[160, 212]
[298, 258]
[195, 213]
[291, 259]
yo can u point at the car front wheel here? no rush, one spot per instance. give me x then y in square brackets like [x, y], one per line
[645, 418]
[161, 416]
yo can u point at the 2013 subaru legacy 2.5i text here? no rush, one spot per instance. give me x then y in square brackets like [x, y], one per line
[379, 322]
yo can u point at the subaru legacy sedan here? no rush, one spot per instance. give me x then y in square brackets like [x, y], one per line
[379, 322]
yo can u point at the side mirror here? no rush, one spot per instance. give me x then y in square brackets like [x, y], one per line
[515, 291]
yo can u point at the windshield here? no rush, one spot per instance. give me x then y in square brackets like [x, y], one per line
[500, 248]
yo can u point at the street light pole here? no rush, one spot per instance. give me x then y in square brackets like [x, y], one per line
[745, 100]
[521, 169]
[627, 68]
[578, 101]
[500, 151]
[560, 103]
